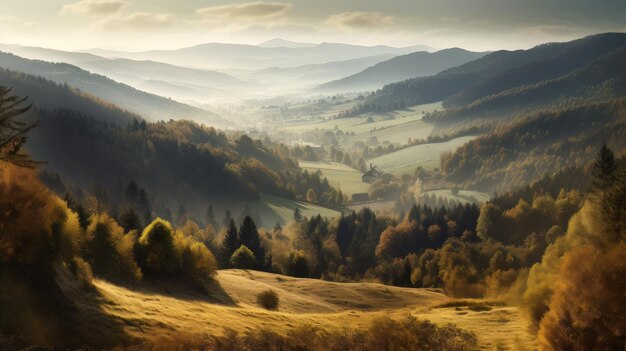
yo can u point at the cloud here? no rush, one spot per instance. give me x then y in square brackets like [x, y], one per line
[361, 20]
[245, 11]
[141, 20]
[94, 7]
[548, 30]
[13, 22]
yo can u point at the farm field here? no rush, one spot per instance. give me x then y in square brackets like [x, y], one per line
[426, 155]
[339, 176]
[170, 311]
[462, 196]
[272, 209]
[410, 119]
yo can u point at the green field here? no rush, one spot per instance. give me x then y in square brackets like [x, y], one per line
[340, 176]
[462, 196]
[426, 155]
[274, 209]
[394, 127]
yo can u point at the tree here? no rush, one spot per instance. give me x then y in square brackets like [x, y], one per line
[243, 258]
[12, 131]
[230, 242]
[297, 216]
[157, 252]
[298, 265]
[210, 217]
[604, 173]
[311, 196]
[109, 250]
[249, 236]
[130, 220]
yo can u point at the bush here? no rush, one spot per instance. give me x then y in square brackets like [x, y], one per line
[268, 299]
[109, 250]
[243, 258]
[198, 263]
[156, 250]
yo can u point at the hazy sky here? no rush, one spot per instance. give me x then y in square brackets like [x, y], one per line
[144, 24]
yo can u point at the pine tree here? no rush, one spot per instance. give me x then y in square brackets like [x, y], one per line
[230, 243]
[249, 236]
[604, 173]
[297, 216]
[210, 217]
[12, 131]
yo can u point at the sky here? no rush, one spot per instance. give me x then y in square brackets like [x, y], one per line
[168, 24]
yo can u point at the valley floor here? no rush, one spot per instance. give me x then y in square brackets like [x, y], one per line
[163, 310]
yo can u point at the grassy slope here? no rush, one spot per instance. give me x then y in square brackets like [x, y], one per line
[167, 311]
[340, 176]
[405, 161]
[274, 209]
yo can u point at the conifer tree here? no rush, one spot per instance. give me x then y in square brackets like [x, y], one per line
[249, 236]
[230, 243]
[12, 131]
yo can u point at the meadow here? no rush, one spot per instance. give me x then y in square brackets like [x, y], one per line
[461, 196]
[405, 161]
[272, 209]
[340, 176]
[160, 313]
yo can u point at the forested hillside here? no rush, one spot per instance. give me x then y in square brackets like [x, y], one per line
[494, 73]
[150, 107]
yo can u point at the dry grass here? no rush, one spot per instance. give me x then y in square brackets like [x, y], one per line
[166, 310]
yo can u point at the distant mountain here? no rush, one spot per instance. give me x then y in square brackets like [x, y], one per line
[494, 73]
[316, 73]
[218, 55]
[139, 73]
[602, 79]
[282, 43]
[400, 68]
[149, 106]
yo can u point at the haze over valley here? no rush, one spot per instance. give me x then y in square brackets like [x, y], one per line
[358, 175]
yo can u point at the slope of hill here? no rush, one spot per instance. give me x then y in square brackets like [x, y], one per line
[52, 96]
[495, 72]
[219, 55]
[602, 79]
[149, 106]
[400, 68]
[537, 146]
[156, 308]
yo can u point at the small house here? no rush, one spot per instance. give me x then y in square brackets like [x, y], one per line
[373, 174]
[360, 197]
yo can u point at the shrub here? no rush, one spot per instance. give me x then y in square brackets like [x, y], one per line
[109, 250]
[243, 258]
[156, 250]
[268, 299]
[198, 263]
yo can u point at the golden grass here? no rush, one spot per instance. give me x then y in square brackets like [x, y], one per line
[167, 310]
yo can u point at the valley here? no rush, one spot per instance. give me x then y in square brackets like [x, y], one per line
[280, 176]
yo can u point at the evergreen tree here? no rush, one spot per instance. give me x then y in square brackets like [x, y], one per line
[604, 173]
[297, 216]
[210, 217]
[249, 236]
[12, 131]
[230, 243]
